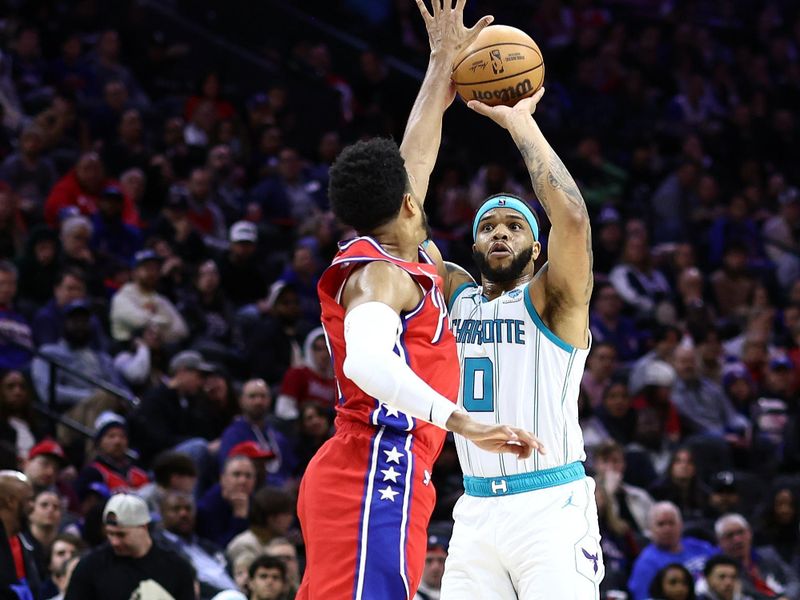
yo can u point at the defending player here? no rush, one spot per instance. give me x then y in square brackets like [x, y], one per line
[525, 528]
[366, 497]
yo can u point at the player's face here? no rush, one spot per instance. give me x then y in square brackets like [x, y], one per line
[504, 248]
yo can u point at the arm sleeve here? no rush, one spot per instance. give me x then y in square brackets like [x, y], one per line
[370, 333]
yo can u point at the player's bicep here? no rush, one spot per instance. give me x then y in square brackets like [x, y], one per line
[570, 262]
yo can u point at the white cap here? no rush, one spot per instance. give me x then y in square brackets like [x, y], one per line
[659, 373]
[230, 595]
[243, 231]
[126, 510]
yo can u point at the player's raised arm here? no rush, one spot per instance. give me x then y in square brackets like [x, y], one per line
[447, 36]
[374, 296]
[568, 276]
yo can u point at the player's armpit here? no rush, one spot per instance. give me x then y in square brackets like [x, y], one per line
[452, 275]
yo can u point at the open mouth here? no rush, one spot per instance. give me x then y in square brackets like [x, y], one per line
[499, 250]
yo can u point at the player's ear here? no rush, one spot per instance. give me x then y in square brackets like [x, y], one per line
[409, 204]
[537, 250]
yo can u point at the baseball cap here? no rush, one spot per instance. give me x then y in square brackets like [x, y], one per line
[230, 595]
[189, 359]
[244, 231]
[144, 256]
[608, 214]
[780, 361]
[113, 192]
[659, 373]
[438, 541]
[724, 481]
[105, 421]
[48, 448]
[251, 449]
[126, 510]
[77, 306]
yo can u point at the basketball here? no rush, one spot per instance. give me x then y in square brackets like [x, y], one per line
[503, 65]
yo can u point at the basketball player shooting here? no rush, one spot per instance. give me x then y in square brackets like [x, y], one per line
[366, 498]
[525, 528]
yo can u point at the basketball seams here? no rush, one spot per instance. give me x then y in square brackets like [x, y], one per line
[471, 83]
[474, 52]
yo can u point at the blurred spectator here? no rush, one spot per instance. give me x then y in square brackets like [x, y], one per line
[254, 425]
[657, 382]
[724, 497]
[178, 515]
[148, 571]
[13, 230]
[172, 472]
[48, 324]
[778, 524]
[778, 379]
[173, 415]
[81, 187]
[733, 286]
[312, 382]
[303, 275]
[600, 367]
[640, 286]
[672, 202]
[75, 351]
[106, 67]
[431, 584]
[267, 578]
[289, 196]
[38, 266]
[272, 342]
[64, 555]
[721, 579]
[668, 546]
[207, 310]
[44, 522]
[240, 269]
[138, 304]
[113, 239]
[16, 407]
[315, 427]
[701, 402]
[607, 239]
[174, 226]
[204, 212]
[666, 339]
[632, 504]
[16, 338]
[782, 240]
[673, 582]
[682, 486]
[763, 570]
[29, 173]
[222, 511]
[614, 419]
[128, 149]
[272, 512]
[609, 326]
[111, 466]
[140, 364]
[16, 496]
[285, 551]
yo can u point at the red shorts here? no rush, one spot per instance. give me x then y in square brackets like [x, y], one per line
[364, 506]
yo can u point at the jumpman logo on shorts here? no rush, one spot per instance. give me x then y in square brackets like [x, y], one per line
[569, 501]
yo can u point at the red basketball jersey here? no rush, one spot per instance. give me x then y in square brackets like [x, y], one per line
[425, 343]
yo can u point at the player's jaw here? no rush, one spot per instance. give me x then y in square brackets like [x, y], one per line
[499, 263]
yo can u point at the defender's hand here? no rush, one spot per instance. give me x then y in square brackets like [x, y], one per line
[495, 438]
[446, 32]
[506, 116]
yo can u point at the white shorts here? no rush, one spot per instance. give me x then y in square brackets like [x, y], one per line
[537, 545]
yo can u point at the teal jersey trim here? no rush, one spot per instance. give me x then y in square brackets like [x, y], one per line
[541, 326]
[459, 290]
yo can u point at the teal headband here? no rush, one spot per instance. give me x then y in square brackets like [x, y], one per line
[506, 202]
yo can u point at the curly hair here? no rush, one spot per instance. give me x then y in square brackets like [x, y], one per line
[367, 184]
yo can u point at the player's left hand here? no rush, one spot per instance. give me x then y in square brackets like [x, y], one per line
[506, 116]
[502, 439]
[446, 31]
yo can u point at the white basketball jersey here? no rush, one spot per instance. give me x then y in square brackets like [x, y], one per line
[515, 371]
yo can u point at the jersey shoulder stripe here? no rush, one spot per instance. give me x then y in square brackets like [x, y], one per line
[537, 320]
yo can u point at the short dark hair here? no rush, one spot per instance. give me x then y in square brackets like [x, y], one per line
[367, 184]
[168, 464]
[267, 562]
[69, 538]
[70, 272]
[717, 560]
[269, 501]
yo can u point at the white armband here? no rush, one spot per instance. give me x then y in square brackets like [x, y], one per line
[370, 334]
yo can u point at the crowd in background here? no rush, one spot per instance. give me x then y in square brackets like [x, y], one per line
[164, 221]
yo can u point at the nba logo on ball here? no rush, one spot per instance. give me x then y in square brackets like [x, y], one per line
[516, 61]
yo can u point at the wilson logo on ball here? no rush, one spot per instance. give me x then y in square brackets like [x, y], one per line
[515, 92]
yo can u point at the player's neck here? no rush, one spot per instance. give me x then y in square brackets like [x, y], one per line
[397, 246]
[494, 289]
